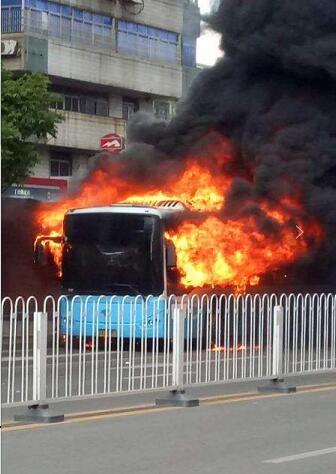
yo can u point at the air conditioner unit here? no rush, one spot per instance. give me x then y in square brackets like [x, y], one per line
[9, 48]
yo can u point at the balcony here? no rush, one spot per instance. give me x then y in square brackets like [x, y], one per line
[83, 131]
[106, 54]
[115, 70]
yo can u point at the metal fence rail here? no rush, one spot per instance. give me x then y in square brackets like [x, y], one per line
[84, 346]
[235, 336]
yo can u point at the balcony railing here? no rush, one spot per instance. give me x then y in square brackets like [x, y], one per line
[125, 37]
[11, 20]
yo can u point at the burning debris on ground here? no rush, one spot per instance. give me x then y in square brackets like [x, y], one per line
[251, 153]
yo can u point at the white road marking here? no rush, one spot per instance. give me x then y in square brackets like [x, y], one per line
[296, 457]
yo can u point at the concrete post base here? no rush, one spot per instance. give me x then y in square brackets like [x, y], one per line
[277, 386]
[177, 398]
[39, 414]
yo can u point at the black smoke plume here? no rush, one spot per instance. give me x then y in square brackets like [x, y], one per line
[273, 94]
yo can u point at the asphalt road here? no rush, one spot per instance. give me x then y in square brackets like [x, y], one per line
[242, 433]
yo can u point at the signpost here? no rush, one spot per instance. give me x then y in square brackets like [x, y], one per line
[112, 142]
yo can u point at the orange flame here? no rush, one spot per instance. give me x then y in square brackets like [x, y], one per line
[55, 248]
[214, 251]
[227, 253]
[196, 188]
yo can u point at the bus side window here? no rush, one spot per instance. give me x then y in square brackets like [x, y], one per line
[170, 254]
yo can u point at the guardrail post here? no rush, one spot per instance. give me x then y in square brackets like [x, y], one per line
[277, 384]
[178, 348]
[177, 396]
[39, 411]
[40, 357]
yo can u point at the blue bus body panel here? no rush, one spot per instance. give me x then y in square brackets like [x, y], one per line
[125, 317]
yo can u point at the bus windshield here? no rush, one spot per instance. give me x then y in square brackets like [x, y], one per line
[111, 253]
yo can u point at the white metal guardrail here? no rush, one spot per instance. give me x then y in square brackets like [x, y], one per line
[98, 345]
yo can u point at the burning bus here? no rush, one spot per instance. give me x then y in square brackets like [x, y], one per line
[119, 251]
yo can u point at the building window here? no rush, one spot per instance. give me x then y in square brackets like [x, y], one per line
[60, 164]
[129, 107]
[147, 42]
[188, 52]
[71, 103]
[162, 109]
[59, 105]
[11, 16]
[83, 104]
[68, 23]
[101, 107]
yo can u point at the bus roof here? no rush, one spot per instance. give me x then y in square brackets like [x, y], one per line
[161, 209]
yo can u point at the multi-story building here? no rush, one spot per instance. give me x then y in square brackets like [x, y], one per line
[106, 59]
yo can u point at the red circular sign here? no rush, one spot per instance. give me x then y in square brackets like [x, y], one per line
[112, 142]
